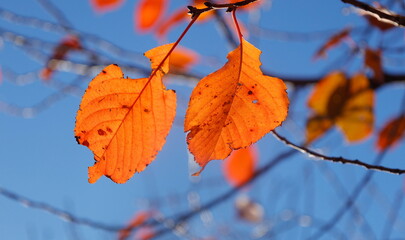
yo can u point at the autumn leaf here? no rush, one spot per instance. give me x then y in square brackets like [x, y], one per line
[181, 59]
[69, 43]
[239, 167]
[125, 121]
[372, 59]
[105, 5]
[139, 218]
[332, 42]
[234, 107]
[148, 12]
[391, 133]
[346, 103]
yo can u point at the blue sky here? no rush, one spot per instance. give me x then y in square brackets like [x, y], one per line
[42, 161]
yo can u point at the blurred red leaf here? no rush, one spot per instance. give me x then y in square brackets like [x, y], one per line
[332, 42]
[391, 133]
[182, 59]
[69, 43]
[138, 219]
[148, 12]
[372, 59]
[239, 167]
[105, 5]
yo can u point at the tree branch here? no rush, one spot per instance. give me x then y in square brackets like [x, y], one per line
[395, 18]
[338, 159]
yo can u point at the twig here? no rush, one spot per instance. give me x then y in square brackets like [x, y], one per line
[338, 159]
[348, 204]
[395, 18]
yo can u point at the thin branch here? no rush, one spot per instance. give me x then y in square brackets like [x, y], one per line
[338, 159]
[394, 18]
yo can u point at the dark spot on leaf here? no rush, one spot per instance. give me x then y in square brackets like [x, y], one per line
[77, 139]
[251, 130]
[84, 132]
[125, 106]
[206, 85]
[240, 84]
[104, 71]
[101, 132]
[253, 86]
[199, 93]
[215, 96]
[146, 110]
[250, 92]
[115, 65]
[109, 130]
[85, 143]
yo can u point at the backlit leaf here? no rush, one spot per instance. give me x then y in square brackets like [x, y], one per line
[240, 165]
[234, 107]
[182, 59]
[139, 218]
[148, 12]
[68, 44]
[391, 133]
[372, 59]
[125, 121]
[105, 5]
[332, 42]
[348, 103]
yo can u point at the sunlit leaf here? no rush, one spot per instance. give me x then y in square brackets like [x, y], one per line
[182, 59]
[234, 107]
[125, 121]
[372, 59]
[69, 43]
[148, 12]
[139, 218]
[332, 42]
[105, 5]
[391, 133]
[347, 103]
[239, 167]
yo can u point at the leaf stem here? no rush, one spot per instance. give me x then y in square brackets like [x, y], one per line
[235, 20]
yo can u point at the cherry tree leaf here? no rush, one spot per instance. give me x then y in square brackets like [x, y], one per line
[125, 121]
[234, 107]
[391, 133]
[346, 103]
[239, 167]
[148, 12]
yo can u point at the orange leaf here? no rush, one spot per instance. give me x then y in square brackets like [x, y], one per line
[372, 59]
[125, 121]
[104, 5]
[139, 219]
[346, 103]
[182, 59]
[234, 107]
[316, 127]
[240, 165]
[391, 133]
[332, 42]
[148, 12]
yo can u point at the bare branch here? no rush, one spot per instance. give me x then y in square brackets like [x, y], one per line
[338, 159]
[395, 18]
